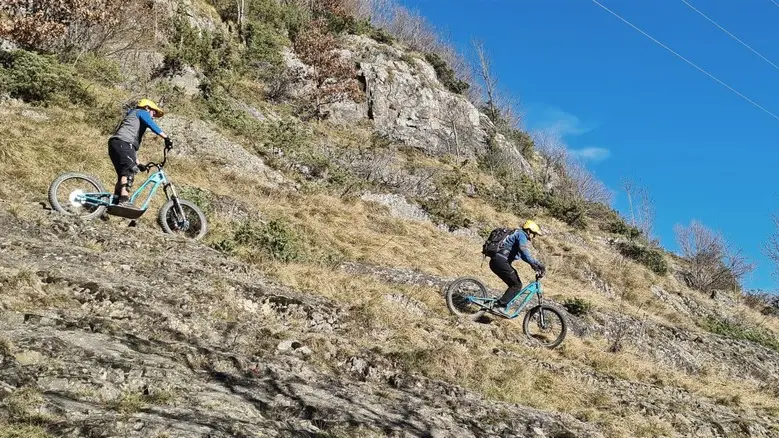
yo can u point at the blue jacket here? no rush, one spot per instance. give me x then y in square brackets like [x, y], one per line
[518, 247]
[134, 125]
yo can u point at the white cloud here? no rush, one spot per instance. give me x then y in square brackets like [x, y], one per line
[562, 123]
[590, 154]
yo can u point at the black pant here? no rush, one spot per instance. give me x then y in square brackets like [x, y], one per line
[122, 156]
[503, 269]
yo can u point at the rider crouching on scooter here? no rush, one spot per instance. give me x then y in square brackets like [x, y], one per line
[514, 246]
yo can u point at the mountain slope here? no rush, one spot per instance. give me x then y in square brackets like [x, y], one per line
[313, 307]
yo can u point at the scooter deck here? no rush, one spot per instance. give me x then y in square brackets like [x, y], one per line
[124, 211]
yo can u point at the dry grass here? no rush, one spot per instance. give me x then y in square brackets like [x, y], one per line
[21, 290]
[22, 431]
[420, 340]
[418, 344]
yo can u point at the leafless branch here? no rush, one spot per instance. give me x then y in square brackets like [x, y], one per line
[771, 248]
[642, 210]
[713, 265]
[500, 105]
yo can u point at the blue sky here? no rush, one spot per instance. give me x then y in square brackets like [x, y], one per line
[632, 109]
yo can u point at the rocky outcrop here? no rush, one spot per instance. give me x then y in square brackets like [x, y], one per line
[407, 102]
[195, 138]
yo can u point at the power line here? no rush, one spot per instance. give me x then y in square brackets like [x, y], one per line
[775, 2]
[730, 34]
[687, 60]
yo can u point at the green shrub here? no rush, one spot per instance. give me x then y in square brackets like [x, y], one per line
[577, 306]
[517, 191]
[198, 196]
[287, 135]
[263, 45]
[446, 75]
[382, 36]
[284, 17]
[519, 138]
[22, 431]
[222, 110]
[609, 220]
[97, 69]
[567, 210]
[104, 116]
[649, 257]
[763, 302]
[445, 209]
[276, 238]
[226, 245]
[39, 79]
[619, 226]
[735, 330]
[216, 54]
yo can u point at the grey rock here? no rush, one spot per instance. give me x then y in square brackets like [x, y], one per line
[408, 104]
[7, 45]
[398, 206]
[197, 139]
[187, 80]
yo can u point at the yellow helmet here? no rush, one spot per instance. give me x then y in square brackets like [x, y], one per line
[147, 102]
[533, 227]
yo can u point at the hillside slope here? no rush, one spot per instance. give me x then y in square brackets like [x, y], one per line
[313, 307]
[156, 324]
[161, 336]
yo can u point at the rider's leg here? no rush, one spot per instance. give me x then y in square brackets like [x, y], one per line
[123, 158]
[120, 189]
[125, 183]
[503, 269]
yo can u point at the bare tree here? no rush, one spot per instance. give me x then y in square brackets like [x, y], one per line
[771, 248]
[333, 76]
[241, 15]
[488, 79]
[561, 172]
[642, 210]
[713, 265]
[500, 106]
[584, 185]
[50, 24]
[554, 156]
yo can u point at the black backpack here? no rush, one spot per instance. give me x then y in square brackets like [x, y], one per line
[496, 237]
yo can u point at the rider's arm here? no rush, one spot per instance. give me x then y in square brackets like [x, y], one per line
[146, 118]
[524, 252]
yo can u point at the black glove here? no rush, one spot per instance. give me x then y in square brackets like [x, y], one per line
[168, 143]
[540, 270]
[142, 167]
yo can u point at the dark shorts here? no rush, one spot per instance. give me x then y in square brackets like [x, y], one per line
[122, 156]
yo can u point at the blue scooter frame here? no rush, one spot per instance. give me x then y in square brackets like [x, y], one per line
[106, 198]
[526, 294]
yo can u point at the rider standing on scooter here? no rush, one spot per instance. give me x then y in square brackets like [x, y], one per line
[514, 246]
[124, 144]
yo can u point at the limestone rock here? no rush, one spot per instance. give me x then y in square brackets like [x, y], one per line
[197, 139]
